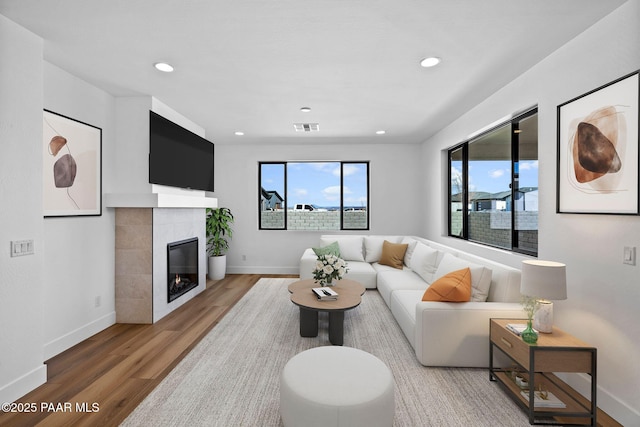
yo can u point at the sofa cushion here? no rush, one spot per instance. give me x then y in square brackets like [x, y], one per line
[480, 275]
[424, 261]
[350, 246]
[410, 248]
[373, 246]
[403, 307]
[391, 279]
[330, 249]
[362, 272]
[393, 254]
[452, 287]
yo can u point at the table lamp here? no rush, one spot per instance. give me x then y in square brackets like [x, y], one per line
[545, 281]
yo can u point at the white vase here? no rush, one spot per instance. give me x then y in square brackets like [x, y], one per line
[217, 267]
[543, 319]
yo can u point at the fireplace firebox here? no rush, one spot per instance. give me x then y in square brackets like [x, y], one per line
[182, 267]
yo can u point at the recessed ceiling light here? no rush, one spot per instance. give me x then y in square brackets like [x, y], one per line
[239, 133]
[380, 132]
[163, 66]
[305, 109]
[431, 61]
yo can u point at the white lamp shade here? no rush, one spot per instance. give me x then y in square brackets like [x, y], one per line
[544, 280]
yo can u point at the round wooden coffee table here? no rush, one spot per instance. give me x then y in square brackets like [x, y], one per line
[349, 296]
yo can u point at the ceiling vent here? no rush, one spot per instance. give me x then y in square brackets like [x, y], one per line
[306, 127]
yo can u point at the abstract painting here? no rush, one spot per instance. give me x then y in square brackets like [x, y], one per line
[597, 170]
[72, 167]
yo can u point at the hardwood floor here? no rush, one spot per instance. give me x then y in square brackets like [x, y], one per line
[100, 381]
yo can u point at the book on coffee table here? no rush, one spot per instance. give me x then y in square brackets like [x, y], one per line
[325, 293]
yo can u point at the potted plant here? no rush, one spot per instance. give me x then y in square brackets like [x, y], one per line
[219, 232]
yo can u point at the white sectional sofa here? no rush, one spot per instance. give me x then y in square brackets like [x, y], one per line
[441, 333]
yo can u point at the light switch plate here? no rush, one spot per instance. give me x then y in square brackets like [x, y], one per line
[21, 247]
[629, 256]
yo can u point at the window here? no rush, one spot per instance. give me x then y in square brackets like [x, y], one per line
[272, 184]
[314, 195]
[493, 186]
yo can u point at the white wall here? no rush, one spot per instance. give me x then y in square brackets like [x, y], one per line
[603, 294]
[395, 185]
[79, 252]
[21, 287]
[132, 145]
[47, 300]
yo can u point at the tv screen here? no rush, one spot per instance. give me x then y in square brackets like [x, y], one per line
[178, 157]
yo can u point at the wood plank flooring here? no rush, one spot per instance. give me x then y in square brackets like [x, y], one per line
[111, 372]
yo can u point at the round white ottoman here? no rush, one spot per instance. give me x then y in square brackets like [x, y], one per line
[336, 386]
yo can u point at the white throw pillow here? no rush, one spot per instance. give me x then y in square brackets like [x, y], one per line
[350, 246]
[480, 275]
[424, 261]
[373, 246]
[412, 246]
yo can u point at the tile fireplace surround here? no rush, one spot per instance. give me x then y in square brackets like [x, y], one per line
[142, 235]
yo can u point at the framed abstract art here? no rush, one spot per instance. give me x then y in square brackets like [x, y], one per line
[72, 167]
[597, 169]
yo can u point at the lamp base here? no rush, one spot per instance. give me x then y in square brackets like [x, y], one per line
[543, 319]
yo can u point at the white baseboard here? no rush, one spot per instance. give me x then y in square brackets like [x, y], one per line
[613, 406]
[262, 270]
[23, 385]
[67, 341]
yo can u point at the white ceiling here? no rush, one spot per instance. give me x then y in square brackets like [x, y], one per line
[250, 65]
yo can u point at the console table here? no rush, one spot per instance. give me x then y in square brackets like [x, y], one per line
[536, 363]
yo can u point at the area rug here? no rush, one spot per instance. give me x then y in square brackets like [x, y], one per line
[231, 378]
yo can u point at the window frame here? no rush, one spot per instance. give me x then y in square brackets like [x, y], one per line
[513, 122]
[260, 188]
[342, 163]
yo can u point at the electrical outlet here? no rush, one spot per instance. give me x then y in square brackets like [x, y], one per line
[244, 257]
[98, 301]
[629, 256]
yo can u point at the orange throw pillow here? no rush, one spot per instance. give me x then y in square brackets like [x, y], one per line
[452, 287]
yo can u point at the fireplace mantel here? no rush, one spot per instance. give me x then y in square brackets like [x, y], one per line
[158, 200]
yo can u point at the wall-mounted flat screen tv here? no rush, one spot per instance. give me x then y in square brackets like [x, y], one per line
[178, 157]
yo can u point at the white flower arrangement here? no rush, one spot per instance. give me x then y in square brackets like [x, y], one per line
[530, 305]
[329, 268]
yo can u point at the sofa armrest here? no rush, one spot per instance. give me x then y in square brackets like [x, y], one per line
[307, 264]
[457, 334]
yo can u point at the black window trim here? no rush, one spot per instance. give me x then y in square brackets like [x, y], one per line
[512, 121]
[342, 164]
[260, 193]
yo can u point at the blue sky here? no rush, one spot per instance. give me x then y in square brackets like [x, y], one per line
[318, 183]
[495, 176]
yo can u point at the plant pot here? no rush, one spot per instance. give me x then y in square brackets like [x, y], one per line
[217, 267]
